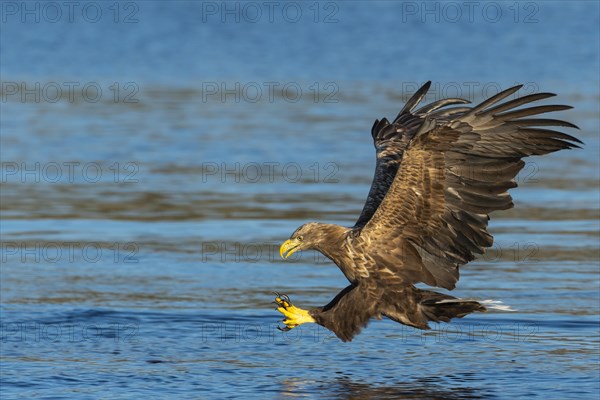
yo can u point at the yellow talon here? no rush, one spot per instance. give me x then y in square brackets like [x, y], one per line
[294, 316]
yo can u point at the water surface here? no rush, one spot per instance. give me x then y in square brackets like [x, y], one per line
[139, 239]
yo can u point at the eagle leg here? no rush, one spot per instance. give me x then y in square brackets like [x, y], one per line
[294, 316]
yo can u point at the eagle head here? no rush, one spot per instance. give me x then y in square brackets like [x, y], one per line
[307, 237]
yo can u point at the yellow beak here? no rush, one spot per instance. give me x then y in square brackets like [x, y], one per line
[288, 248]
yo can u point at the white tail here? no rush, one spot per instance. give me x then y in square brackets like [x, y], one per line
[496, 305]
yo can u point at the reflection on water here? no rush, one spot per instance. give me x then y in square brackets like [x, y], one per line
[343, 387]
[430, 388]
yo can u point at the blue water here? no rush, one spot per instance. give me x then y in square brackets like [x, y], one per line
[141, 216]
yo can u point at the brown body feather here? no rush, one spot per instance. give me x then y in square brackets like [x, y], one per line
[440, 172]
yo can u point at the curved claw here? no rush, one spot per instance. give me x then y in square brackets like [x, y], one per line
[294, 316]
[282, 300]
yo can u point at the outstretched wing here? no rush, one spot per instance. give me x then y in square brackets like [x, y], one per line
[391, 139]
[434, 216]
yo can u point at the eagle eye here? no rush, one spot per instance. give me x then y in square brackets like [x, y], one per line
[300, 238]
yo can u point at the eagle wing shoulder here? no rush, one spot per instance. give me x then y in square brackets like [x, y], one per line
[391, 140]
